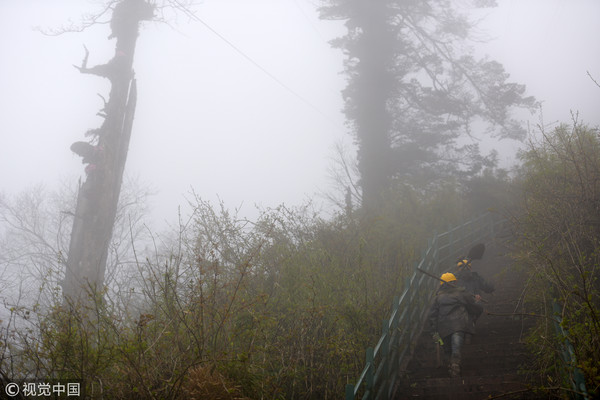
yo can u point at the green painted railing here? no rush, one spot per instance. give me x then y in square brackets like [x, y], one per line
[572, 374]
[409, 310]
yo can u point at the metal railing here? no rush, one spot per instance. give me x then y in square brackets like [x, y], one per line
[409, 310]
[572, 374]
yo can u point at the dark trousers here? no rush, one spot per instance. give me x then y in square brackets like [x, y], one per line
[455, 341]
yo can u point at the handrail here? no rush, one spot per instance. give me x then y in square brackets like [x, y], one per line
[572, 373]
[399, 333]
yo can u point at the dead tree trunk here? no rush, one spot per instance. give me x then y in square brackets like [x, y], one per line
[105, 154]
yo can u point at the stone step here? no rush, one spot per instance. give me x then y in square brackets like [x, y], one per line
[462, 389]
[470, 367]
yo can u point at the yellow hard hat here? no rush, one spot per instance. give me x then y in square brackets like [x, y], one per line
[447, 277]
[463, 263]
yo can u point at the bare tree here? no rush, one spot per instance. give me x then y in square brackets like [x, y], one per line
[344, 176]
[35, 230]
[105, 155]
[105, 150]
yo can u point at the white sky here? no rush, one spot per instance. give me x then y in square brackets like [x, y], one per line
[208, 118]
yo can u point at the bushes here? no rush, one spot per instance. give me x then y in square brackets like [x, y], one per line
[281, 307]
[559, 229]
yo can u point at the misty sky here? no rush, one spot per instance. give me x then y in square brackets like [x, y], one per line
[210, 119]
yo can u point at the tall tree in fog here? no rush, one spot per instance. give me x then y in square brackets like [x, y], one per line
[414, 88]
[105, 153]
[104, 149]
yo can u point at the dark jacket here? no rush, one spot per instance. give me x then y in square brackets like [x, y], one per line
[473, 282]
[451, 309]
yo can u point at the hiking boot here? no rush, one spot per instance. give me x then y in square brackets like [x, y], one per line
[454, 370]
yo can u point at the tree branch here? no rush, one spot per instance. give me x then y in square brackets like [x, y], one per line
[593, 80]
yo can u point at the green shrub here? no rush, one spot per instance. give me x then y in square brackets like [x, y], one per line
[559, 232]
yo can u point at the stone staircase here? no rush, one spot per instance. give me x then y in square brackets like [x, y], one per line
[491, 363]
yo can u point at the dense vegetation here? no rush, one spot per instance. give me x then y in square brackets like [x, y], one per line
[280, 307]
[284, 306]
[558, 229]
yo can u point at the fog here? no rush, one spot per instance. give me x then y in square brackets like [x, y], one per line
[245, 106]
[242, 103]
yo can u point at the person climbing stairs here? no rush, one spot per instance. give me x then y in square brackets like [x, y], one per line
[492, 362]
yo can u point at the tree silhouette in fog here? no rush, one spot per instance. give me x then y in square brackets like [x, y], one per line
[104, 150]
[415, 88]
[104, 154]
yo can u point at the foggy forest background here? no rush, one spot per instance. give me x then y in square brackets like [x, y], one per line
[281, 305]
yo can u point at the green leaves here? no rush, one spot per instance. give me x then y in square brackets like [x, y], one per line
[415, 88]
[560, 182]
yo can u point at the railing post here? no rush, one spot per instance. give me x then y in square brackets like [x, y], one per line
[349, 391]
[568, 357]
[370, 371]
[385, 357]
